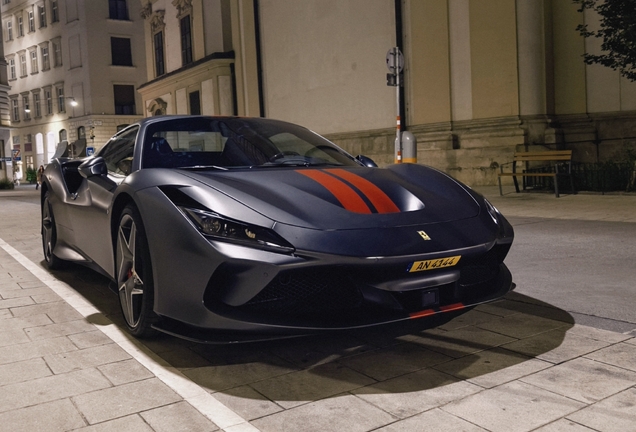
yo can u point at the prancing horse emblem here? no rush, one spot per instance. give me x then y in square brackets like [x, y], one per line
[424, 235]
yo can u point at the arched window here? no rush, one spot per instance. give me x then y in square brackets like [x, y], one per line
[63, 136]
[81, 132]
[157, 107]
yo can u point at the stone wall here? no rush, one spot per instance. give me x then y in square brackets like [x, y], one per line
[472, 151]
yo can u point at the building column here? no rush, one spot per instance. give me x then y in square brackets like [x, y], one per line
[246, 67]
[531, 57]
[460, 62]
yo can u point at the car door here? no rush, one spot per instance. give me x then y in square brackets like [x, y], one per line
[92, 218]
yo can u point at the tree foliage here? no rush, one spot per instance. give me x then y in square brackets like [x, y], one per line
[618, 34]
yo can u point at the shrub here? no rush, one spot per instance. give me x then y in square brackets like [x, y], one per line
[6, 184]
[31, 175]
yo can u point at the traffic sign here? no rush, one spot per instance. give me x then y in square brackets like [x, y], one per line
[90, 151]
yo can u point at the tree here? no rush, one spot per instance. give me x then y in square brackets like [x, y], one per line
[617, 32]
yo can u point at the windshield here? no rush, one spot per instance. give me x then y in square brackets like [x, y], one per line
[200, 142]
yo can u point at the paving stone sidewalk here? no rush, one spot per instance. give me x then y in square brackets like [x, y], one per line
[514, 365]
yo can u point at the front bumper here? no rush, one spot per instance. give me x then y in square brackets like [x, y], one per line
[206, 290]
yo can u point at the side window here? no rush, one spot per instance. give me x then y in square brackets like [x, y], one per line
[118, 152]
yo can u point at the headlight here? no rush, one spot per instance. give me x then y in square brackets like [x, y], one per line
[217, 227]
[492, 211]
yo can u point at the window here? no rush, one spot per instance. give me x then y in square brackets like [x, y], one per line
[48, 99]
[81, 132]
[4, 2]
[36, 105]
[12, 74]
[15, 109]
[9, 30]
[120, 51]
[186, 40]
[63, 135]
[34, 61]
[195, 103]
[27, 109]
[44, 51]
[160, 67]
[118, 152]
[61, 102]
[117, 9]
[42, 16]
[55, 13]
[57, 52]
[124, 99]
[23, 65]
[20, 26]
[31, 21]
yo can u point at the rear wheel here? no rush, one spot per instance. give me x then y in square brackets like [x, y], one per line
[134, 274]
[49, 234]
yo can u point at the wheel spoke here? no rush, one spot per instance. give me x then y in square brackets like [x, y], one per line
[47, 229]
[130, 283]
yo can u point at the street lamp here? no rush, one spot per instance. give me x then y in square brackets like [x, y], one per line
[73, 101]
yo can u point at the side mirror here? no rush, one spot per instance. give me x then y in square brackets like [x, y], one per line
[91, 167]
[366, 161]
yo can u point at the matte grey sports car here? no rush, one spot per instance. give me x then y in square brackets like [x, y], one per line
[214, 226]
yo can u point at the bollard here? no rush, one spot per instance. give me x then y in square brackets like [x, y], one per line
[409, 148]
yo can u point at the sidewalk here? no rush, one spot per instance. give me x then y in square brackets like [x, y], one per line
[515, 365]
[614, 207]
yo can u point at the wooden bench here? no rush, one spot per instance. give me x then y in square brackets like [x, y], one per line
[557, 157]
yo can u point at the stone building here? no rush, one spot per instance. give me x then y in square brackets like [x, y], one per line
[73, 69]
[6, 167]
[482, 78]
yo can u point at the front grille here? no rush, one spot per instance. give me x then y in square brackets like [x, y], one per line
[302, 293]
[480, 270]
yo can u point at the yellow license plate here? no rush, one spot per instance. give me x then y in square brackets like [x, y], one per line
[434, 264]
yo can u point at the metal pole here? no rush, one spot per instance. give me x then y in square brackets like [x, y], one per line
[398, 137]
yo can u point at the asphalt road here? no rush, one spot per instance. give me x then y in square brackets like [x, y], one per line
[594, 263]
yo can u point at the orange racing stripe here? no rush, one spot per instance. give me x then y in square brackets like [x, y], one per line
[349, 199]
[380, 200]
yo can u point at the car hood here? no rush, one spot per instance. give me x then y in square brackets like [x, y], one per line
[347, 197]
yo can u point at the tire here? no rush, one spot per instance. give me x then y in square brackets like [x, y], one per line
[133, 270]
[49, 235]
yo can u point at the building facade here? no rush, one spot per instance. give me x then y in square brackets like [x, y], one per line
[482, 78]
[189, 47]
[6, 166]
[73, 68]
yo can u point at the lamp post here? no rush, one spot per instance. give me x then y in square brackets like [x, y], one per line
[73, 104]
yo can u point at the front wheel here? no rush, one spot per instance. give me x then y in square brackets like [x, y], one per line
[49, 234]
[134, 274]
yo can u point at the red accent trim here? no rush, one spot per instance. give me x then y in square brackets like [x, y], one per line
[429, 312]
[422, 314]
[349, 199]
[452, 307]
[380, 200]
